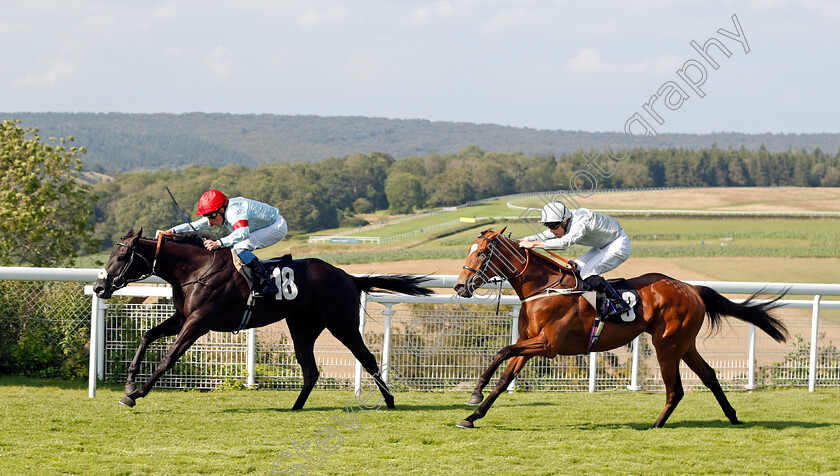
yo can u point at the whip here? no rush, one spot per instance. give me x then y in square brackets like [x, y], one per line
[183, 215]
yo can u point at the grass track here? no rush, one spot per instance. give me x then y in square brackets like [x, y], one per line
[52, 428]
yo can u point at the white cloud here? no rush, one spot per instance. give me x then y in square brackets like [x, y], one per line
[314, 18]
[433, 10]
[8, 28]
[220, 61]
[165, 12]
[589, 61]
[57, 70]
[513, 19]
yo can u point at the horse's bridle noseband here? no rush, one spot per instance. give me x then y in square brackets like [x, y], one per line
[134, 252]
[120, 281]
[487, 258]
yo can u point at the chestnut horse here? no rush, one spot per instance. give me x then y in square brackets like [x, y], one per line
[556, 319]
[209, 294]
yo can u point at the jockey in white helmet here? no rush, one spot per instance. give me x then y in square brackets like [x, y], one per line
[610, 245]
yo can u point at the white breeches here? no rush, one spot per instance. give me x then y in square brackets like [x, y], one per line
[601, 260]
[264, 237]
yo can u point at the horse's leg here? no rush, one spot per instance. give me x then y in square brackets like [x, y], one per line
[169, 327]
[305, 332]
[510, 373]
[669, 365]
[698, 365]
[351, 338]
[503, 354]
[189, 334]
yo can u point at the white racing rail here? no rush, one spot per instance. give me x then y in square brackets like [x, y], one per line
[98, 306]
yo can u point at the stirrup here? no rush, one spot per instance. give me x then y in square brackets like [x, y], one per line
[269, 289]
[616, 310]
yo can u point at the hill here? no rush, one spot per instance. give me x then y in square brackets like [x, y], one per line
[118, 142]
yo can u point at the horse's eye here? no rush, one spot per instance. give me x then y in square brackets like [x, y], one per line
[122, 257]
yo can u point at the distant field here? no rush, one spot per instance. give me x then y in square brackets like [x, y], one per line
[665, 238]
[786, 249]
[53, 428]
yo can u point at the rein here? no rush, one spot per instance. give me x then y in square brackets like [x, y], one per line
[551, 289]
[153, 265]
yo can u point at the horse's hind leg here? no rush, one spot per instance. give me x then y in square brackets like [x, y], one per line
[169, 327]
[304, 334]
[350, 337]
[670, 368]
[698, 365]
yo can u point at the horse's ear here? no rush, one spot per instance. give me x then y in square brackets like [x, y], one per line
[130, 232]
[137, 237]
[502, 230]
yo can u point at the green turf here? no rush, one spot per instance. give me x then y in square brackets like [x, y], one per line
[53, 428]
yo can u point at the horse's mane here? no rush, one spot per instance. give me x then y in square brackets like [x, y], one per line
[552, 261]
[191, 238]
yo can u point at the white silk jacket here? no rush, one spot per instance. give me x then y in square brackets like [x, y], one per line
[585, 228]
[242, 216]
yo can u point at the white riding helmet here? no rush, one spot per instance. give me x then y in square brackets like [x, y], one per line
[555, 212]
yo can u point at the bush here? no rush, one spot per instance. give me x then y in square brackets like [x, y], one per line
[44, 329]
[363, 205]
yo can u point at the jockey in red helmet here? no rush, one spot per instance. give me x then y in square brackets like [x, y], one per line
[253, 225]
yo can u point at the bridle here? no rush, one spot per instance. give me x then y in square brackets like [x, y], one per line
[121, 281]
[492, 251]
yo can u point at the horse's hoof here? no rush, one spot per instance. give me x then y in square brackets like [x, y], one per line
[130, 388]
[476, 398]
[127, 401]
[465, 424]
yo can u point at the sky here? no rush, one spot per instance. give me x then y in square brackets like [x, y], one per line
[553, 65]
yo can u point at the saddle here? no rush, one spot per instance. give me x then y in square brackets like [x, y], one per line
[599, 300]
[627, 292]
[630, 296]
[283, 269]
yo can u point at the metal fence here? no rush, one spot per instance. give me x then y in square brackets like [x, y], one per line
[444, 343]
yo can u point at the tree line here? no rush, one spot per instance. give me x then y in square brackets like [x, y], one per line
[118, 142]
[329, 193]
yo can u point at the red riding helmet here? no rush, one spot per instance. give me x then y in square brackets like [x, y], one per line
[211, 201]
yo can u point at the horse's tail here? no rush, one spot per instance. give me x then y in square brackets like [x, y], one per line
[750, 311]
[396, 283]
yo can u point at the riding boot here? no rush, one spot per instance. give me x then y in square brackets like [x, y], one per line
[617, 305]
[264, 284]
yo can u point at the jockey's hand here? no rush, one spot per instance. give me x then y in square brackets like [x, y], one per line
[159, 232]
[530, 244]
[212, 244]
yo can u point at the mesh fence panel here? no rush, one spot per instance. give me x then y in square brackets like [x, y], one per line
[44, 329]
[45, 326]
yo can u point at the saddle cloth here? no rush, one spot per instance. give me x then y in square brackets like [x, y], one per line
[274, 266]
[630, 295]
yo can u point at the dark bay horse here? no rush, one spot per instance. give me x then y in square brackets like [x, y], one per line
[559, 322]
[209, 294]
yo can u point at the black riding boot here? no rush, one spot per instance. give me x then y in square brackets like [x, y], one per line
[264, 284]
[617, 305]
